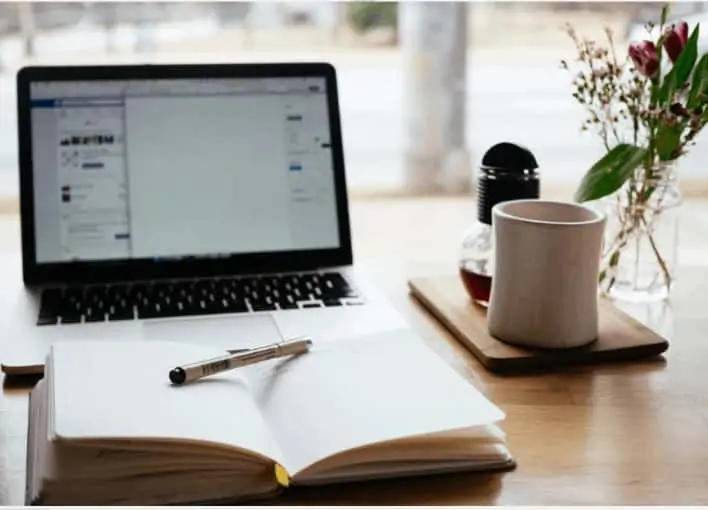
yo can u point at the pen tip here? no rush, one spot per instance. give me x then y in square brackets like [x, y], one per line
[177, 375]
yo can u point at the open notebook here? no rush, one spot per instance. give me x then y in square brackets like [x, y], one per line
[106, 427]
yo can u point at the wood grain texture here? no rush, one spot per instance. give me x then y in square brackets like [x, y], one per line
[626, 433]
[621, 338]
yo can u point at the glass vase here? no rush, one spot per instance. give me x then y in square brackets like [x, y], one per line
[641, 244]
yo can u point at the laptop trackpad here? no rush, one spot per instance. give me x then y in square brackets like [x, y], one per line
[223, 332]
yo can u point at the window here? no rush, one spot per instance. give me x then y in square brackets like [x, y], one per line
[512, 89]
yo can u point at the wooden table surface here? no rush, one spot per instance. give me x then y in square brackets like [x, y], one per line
[621, 434]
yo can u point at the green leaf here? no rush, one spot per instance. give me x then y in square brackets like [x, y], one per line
[664, 14]
[610, 172]
[699, 86]
[667, 140]
[681, 70]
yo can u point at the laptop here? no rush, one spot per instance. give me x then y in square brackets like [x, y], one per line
[204, 203]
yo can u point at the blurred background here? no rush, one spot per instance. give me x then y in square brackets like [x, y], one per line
[425, 87]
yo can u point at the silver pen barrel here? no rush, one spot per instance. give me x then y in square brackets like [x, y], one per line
[194, 371]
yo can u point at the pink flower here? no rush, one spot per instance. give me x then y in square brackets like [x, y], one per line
[644, 57]
[675, 39]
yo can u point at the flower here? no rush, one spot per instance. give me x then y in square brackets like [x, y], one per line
[645, 58]
[675, 39]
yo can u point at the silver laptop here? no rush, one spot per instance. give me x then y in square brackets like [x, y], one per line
[204, 203]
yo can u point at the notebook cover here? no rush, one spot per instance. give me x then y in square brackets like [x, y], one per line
[622, 338]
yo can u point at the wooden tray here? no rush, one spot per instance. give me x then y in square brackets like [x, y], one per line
[622, 338]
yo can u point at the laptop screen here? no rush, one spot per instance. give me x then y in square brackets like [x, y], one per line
[176, 168]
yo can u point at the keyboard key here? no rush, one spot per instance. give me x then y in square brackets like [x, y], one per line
[94, 314]
[286, 301]
[123, 315]
[262, 307]
[239, 307]
[151, 311]
[47, 321]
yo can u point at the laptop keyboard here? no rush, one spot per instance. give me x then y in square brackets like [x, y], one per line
[118, 302]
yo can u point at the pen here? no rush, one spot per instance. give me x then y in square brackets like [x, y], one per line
[194, 371]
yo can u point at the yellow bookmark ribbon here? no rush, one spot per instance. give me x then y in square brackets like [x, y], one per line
[282, 476]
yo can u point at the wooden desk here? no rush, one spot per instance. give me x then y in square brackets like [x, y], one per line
[624, 434]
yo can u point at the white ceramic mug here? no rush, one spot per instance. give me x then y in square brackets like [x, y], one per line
[546, 267]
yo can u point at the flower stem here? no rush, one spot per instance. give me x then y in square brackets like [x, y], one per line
[659, 258]
[634, 221]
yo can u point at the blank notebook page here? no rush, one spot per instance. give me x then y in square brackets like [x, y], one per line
[121, 390]
[343, 395]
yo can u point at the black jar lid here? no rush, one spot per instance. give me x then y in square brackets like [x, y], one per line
[508, 172]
